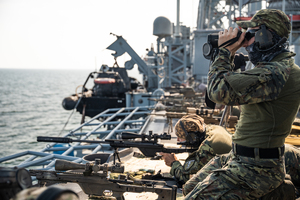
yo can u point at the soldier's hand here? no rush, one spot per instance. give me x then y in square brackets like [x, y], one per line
[169, 158]
[239, 62]
[229, 34]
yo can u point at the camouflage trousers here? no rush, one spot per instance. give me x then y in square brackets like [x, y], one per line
[292, 163]
[229, 176]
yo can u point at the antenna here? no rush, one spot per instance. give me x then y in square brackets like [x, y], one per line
[95, 63]
[177, 34]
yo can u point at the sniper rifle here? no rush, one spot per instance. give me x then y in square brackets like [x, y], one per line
[94, 180]
[148, 145]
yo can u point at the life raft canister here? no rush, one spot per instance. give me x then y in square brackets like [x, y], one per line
[104, 80]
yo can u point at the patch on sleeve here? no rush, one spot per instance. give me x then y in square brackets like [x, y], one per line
[188, 164]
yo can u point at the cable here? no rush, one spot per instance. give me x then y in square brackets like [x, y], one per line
[70, 115]
[282, 41]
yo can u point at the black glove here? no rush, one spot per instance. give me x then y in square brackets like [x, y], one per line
[239, 62]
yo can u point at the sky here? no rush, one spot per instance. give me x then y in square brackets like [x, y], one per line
[74, 34]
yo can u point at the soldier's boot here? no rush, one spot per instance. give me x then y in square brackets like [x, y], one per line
[286, 191]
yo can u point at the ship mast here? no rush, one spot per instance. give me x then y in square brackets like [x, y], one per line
[177, 34]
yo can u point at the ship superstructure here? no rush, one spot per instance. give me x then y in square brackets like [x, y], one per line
[176, 58]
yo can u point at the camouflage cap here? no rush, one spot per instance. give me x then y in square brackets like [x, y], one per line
[191, 123]
[272, 18]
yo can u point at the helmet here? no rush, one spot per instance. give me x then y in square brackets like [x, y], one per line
[191, 123]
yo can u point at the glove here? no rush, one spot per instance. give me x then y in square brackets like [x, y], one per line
[239, 62]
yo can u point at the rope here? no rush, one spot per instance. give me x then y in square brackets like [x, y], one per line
[115, 64]
[162, 61]
[70, 115]
[83, 87]
[77, 89]
[161, 73]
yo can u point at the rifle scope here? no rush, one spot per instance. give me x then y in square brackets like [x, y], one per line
[130, 135]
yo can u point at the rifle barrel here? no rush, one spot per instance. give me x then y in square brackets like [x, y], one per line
[65, 140]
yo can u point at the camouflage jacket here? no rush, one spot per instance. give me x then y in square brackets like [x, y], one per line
[218, 141]
[268, 95]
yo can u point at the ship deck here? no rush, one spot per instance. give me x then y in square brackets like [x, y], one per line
[138, 120]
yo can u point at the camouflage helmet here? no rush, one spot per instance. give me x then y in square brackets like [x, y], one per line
[274, 19]
[191, 123]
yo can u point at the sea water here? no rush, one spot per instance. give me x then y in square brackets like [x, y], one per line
[31, 106]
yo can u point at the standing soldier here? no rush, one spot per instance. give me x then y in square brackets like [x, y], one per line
[269, 98]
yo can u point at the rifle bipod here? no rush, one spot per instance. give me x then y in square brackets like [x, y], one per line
[116, 154]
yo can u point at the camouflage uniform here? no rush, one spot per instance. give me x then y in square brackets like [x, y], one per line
[292, 163]
[205, 153]
[193, 163]
[229, 176]
[218, 140]
[269, 99]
